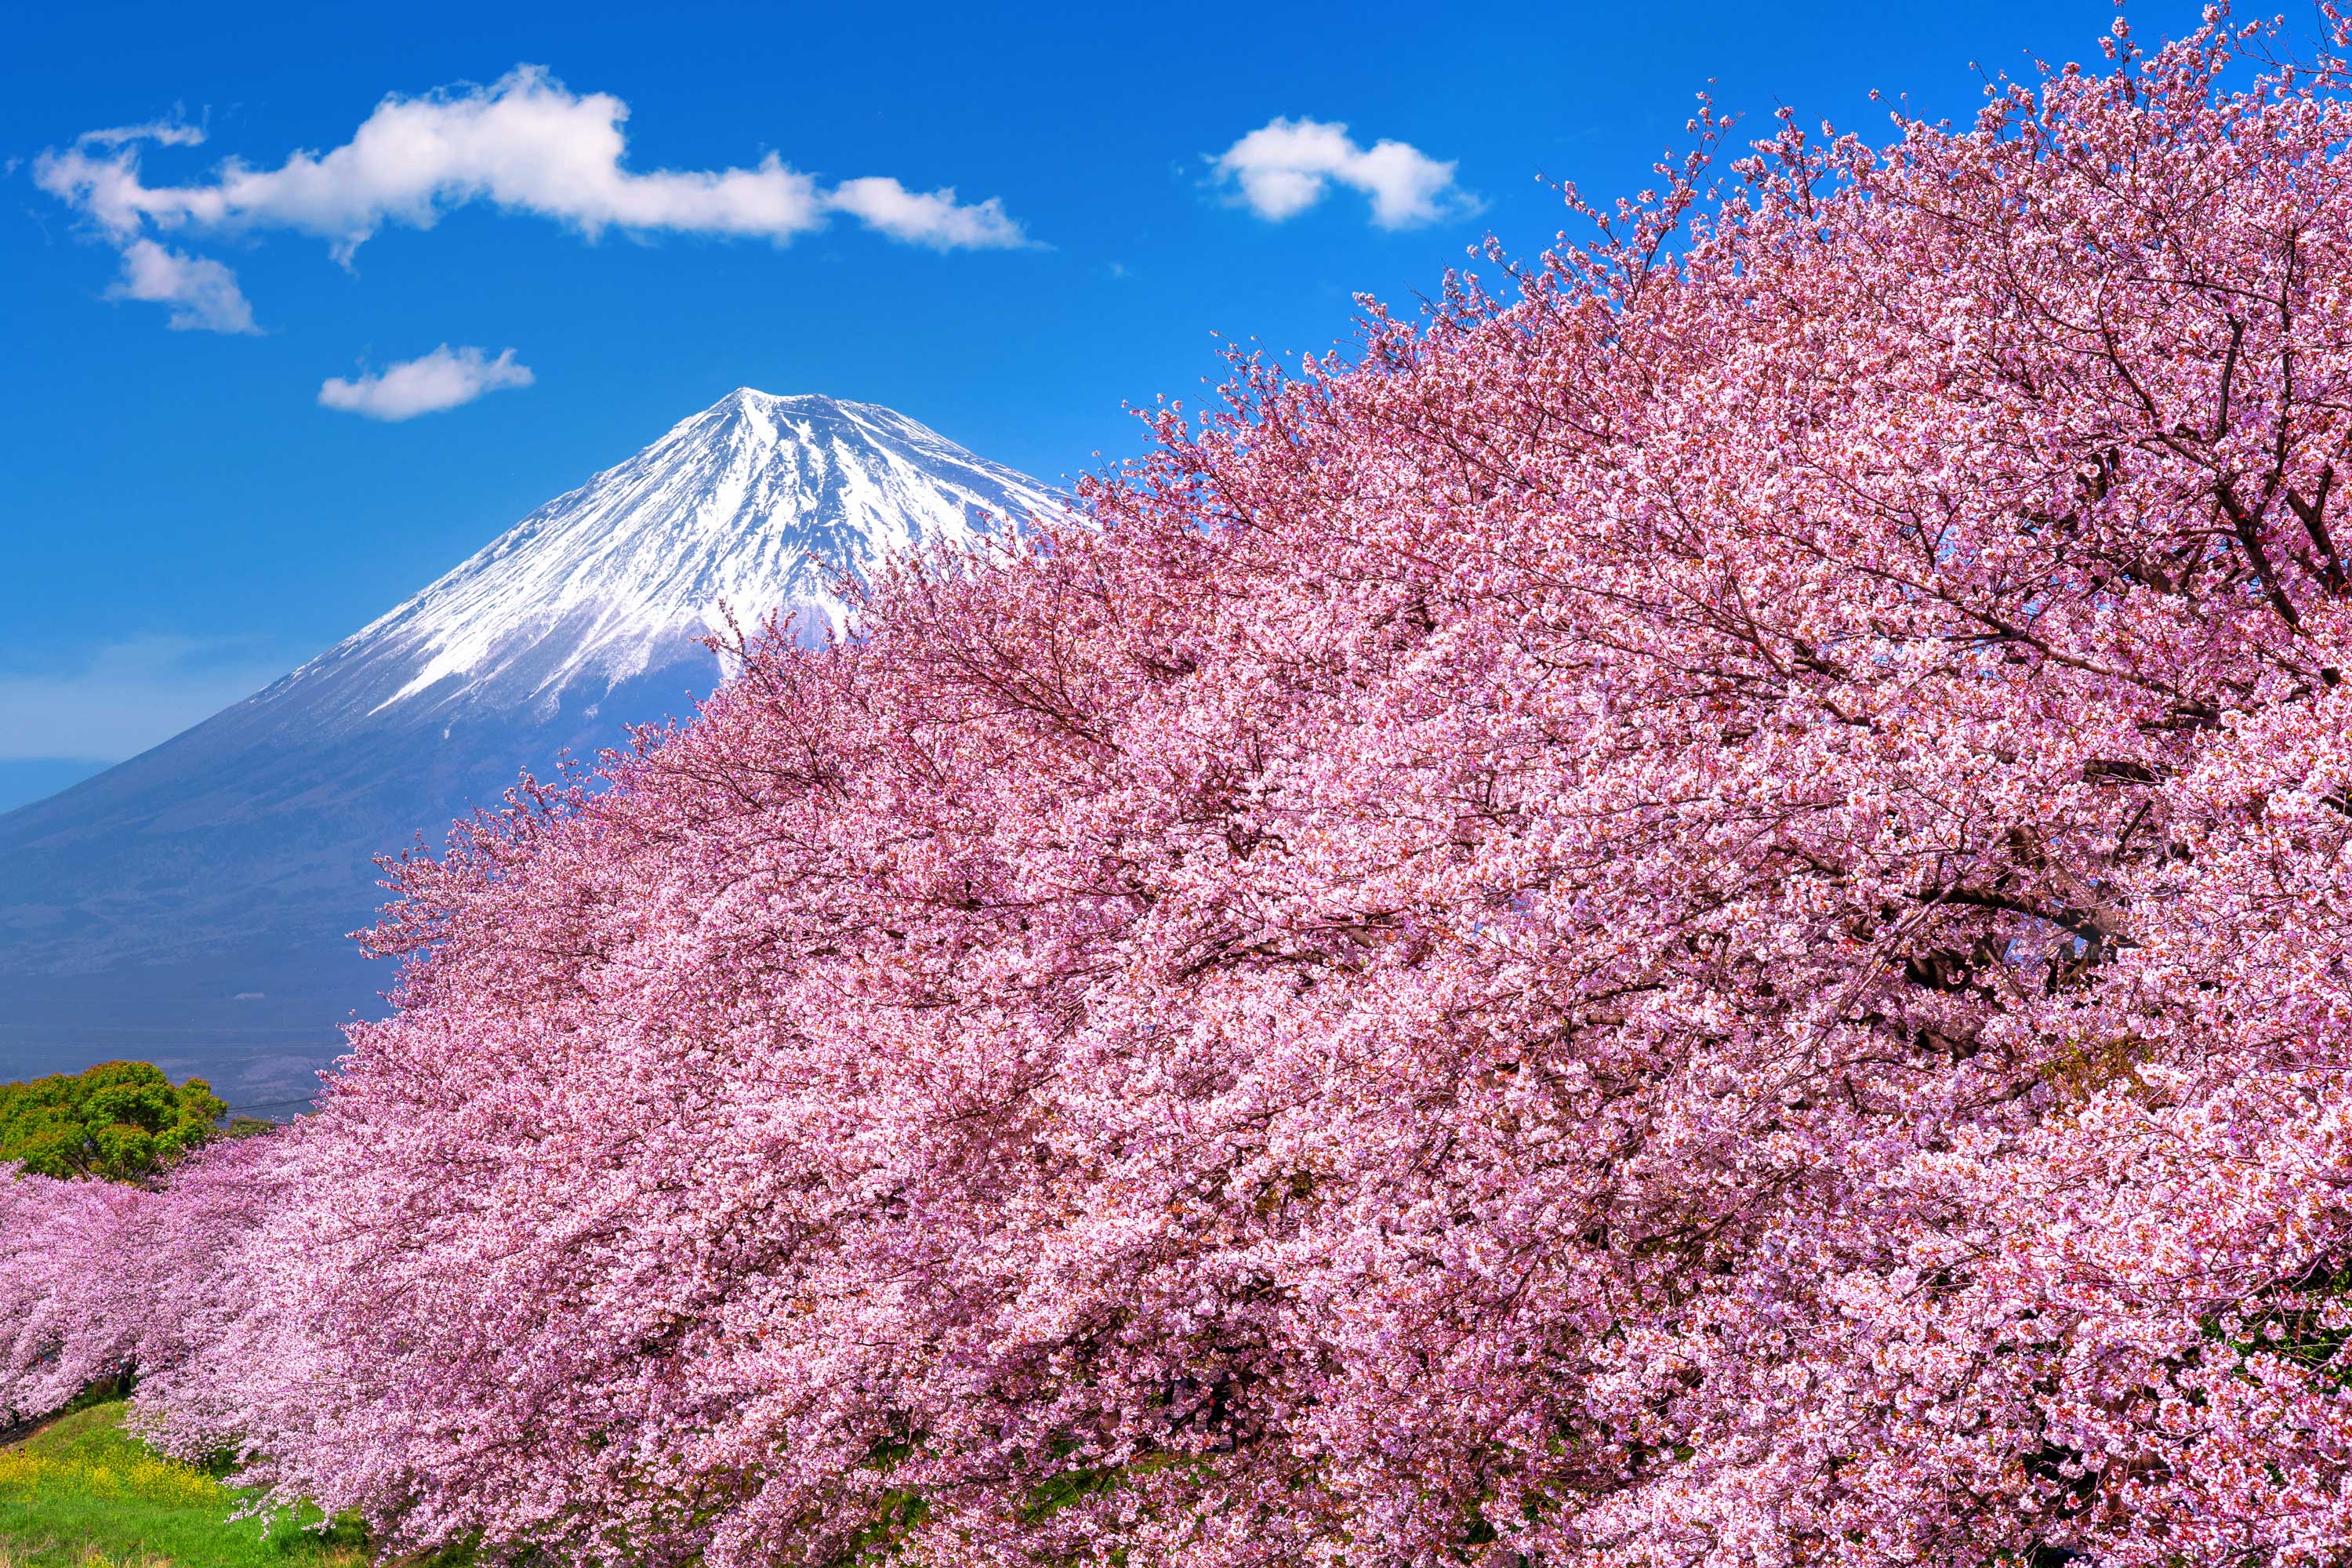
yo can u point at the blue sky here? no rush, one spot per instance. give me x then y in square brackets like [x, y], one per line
[187, 512]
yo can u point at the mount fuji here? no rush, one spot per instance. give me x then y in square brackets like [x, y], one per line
[190, 906]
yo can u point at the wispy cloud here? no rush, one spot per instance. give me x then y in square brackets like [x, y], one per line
[524, 145]
[121, 698]
[1286, 166]
[172, 132]
[202, 294]
[443, 379]
[925, 217]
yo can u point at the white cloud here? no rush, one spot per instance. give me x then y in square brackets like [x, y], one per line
[925, 217]
[122, 698]
[524, 145]
[164, 132]
[202, 294]
[443, 379]
[1286, 166]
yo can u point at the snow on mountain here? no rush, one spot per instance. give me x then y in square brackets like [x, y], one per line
[751, 505]
[194, 898]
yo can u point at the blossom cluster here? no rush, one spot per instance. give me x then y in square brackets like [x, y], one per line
[1694, 914]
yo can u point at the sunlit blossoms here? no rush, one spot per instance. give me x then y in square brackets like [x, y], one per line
[1694, 916]
[60, 1329]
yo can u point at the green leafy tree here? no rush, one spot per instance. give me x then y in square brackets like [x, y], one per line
[124, 1122]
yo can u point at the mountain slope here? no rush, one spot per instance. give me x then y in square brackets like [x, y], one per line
[191, 903]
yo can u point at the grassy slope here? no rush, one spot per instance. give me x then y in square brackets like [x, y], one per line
[82, 1493]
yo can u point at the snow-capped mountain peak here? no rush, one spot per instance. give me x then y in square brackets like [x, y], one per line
[751, 505]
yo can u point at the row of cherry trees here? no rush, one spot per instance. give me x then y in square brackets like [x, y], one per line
[1696, 915]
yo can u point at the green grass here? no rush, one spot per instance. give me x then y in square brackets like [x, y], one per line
[83, 1493]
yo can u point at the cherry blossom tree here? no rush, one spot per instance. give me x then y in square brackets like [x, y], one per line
[60, 1329]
